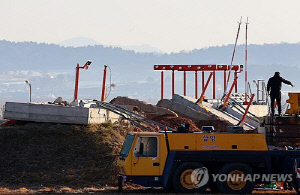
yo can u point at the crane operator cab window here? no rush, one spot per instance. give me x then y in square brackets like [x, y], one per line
[146, 147]
[127, 145]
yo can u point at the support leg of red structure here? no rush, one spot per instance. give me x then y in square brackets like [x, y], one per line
[103, 84]
[184, 83]
[203, 80]
[236, 87]
[229, 92]
[162, 85]
[205, 87]
[76, 82]
[173, 83]
[214, 84]
[196, 84]
[246, 111]
[224, 81]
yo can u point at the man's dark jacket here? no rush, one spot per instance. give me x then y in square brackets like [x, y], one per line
[274, 84]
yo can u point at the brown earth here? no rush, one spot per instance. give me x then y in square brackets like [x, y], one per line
[148, 110]
[174, 122]
[128, 189]
[219, 125]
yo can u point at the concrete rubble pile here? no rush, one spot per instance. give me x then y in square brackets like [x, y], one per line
[179, 108]
[175, 110]
[185, 107]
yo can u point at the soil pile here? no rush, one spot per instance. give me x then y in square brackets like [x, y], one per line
[174, 122]
[148, 110]
[219, 125]
[48, 155]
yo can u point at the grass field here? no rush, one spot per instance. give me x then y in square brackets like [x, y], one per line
[65, 155]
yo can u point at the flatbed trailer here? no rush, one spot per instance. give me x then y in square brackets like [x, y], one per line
[171, 160]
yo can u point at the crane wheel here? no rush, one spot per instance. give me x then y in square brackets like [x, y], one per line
[120, 184]
[183, 182]
[295, 184]
[213, 187]
[234, 182]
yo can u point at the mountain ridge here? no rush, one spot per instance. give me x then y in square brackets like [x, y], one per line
[51, 69]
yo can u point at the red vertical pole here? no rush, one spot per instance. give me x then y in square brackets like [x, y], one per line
[214, 85]
[162, 85]
[224, 81]
[173, 83]
[103, 84]
[246, 62]
[246, 95]
[203, 80]
[76, 82]
[196, 84]
[235, 76]
[184, 83]
[236, 39]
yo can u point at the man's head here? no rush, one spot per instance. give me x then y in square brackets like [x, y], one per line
[277, 74]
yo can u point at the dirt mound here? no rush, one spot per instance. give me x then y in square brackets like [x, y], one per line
[219, 126]
[174, 122]
[48, 155]
[148, 110]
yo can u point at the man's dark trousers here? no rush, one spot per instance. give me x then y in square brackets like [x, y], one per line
[276, 96]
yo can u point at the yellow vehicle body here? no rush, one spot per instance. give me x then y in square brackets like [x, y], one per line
[216, 141]
[132, 165]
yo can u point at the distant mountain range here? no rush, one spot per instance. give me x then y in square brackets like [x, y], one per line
[78, 42]
[51, 68]
[84, 41]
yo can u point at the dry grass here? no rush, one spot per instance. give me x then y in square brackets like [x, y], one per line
[65, 155]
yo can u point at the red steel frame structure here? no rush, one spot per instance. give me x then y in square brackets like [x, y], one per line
[205, 67]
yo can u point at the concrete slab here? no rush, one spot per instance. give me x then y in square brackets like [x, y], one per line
[234, 112]
[57, 113]
[259, 110]
[188, 101]
[184, 110]
[211, 110]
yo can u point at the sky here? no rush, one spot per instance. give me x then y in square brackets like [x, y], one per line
[168, 25]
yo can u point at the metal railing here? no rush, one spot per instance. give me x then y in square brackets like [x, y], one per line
[136, 119]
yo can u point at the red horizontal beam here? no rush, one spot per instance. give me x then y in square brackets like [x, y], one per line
[207, 67]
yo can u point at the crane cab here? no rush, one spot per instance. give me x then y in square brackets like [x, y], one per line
[143, 154]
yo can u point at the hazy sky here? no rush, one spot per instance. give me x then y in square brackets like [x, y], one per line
[169, 25]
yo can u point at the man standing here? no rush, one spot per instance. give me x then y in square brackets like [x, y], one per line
[274, 84]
